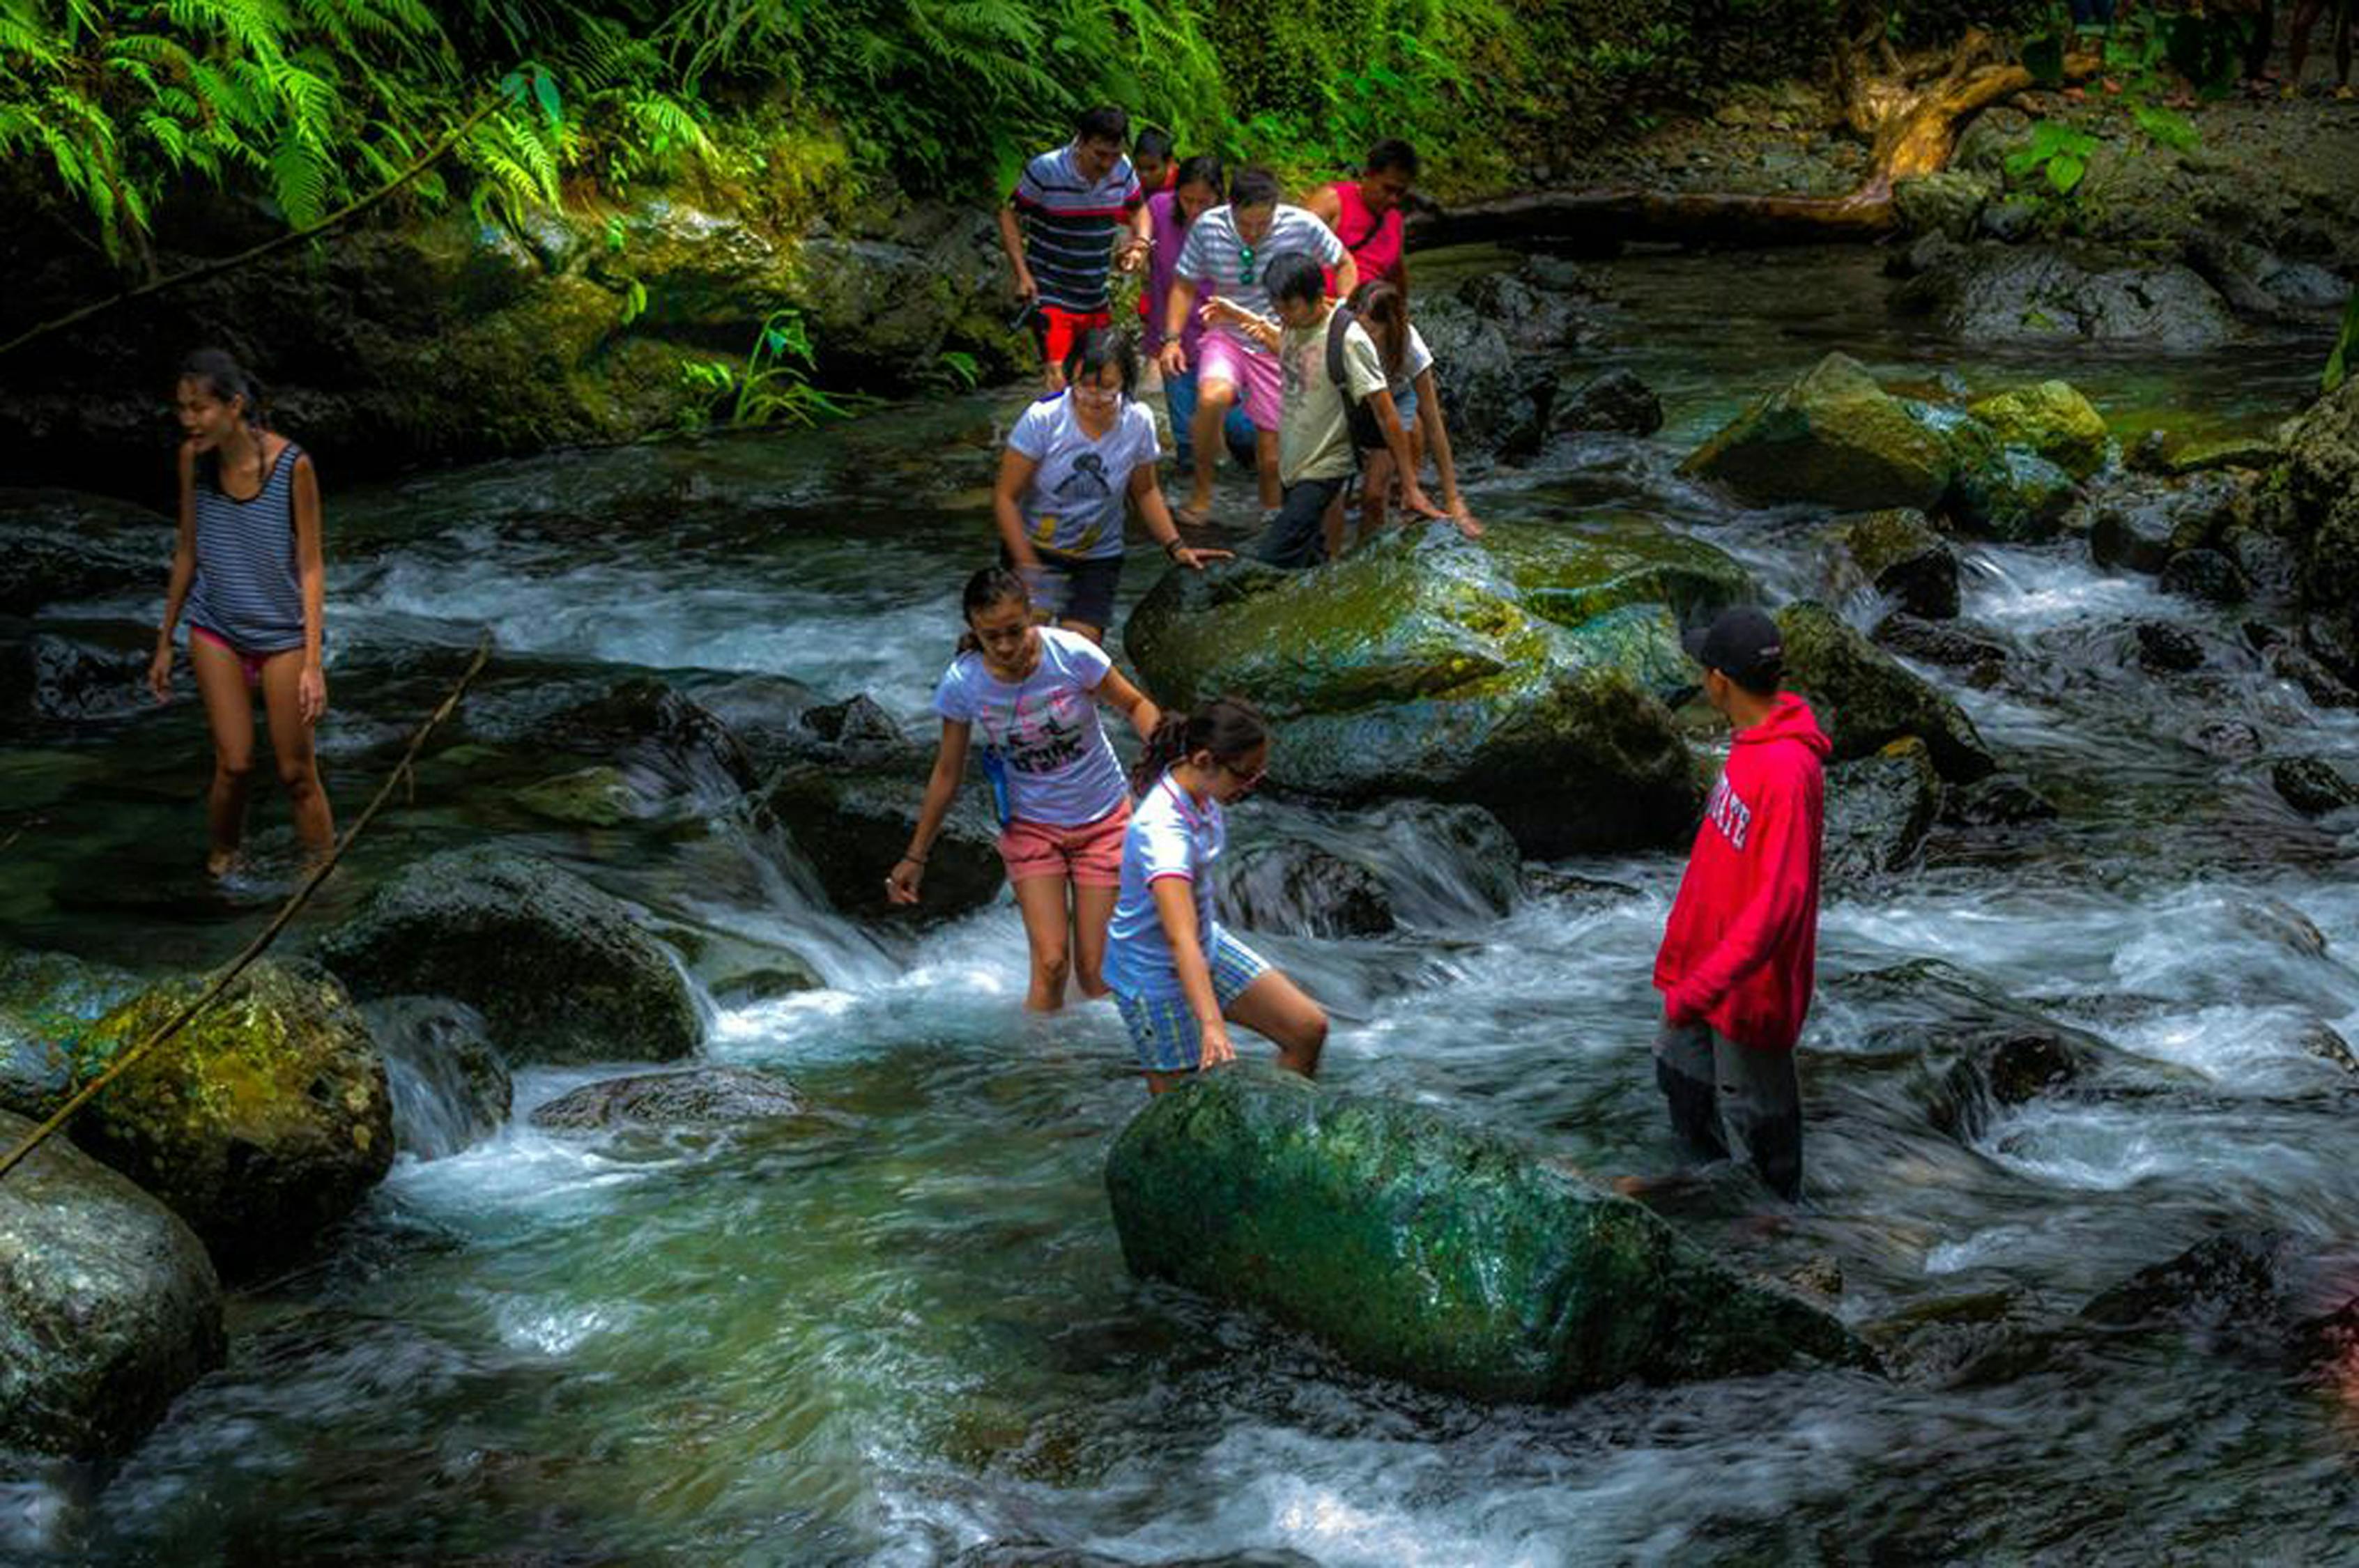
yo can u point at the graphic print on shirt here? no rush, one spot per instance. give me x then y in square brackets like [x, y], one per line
[1042, 740]
[1729, 813]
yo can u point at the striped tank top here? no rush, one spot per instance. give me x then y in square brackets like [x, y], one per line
[246, 591]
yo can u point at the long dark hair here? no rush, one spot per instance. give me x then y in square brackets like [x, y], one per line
[222, 376]
[992, 585]
[1228, 727]
[1383, 310]
[1096, 349]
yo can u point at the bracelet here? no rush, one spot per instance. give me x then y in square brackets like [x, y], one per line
[915, 859]
[1174, 545]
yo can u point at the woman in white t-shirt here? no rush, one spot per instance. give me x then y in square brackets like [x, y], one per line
[1063, 801]
[1073, 461]
[1179, 976]
[1383, 311]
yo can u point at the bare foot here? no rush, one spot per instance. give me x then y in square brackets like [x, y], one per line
[1194, 513]
[220, 863]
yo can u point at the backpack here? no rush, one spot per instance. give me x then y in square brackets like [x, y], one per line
[1366, 434]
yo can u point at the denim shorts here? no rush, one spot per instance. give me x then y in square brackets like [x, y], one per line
[1164, 1031]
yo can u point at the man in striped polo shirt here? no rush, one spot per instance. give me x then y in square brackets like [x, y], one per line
[1060, 228]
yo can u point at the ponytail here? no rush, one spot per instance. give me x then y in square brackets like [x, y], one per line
[1228, 727]
[992, 585]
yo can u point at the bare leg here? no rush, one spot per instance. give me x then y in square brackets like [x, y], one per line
[1092, 908]
[1266, 465]
[1330, 526]
[1041, 899]
[1276, 1006]
[1213, 401]
[290, 744]
[229, 709]
[2305, 17]
[1376, 493]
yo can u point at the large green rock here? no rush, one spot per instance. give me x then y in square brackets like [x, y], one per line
[2324, 479]
[108, 1304]
[1865, 700]
[1523, 672]
[1833, 438]
[853, 823]
[47, 1002]
[262, 1122]
[1425, 1249]
[2051, 419]
[561, 971]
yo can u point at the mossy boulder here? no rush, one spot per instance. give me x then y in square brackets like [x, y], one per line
[1900, 554]
[2050, 418]
[1833, 438]
[2323, 480]
[108, 1306]
[1425, 1249]
[1525, 672]
[1865, 700]
[262, 1122]
[595, 797]
[561, 971]
[853, 824]
[47, 1002]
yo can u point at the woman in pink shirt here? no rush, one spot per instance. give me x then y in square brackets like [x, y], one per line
[1366, 213]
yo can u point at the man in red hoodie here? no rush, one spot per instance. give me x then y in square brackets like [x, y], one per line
[1738, 958]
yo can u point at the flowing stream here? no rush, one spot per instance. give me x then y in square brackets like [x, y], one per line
[901, 1327]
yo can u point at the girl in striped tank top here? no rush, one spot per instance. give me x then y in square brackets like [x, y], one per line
[250, 575]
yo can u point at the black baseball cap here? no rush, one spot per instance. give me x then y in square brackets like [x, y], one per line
[1743, 643]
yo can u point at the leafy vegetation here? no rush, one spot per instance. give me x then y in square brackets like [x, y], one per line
[772, 385]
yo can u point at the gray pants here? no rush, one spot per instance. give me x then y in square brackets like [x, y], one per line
[1730, 1100]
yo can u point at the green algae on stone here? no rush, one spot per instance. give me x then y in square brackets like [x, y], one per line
[562, 970]
[2051, 417]
[1423, 1248]
[1523, 672]
[597, 797]
[262, 1122]
[1901, 555]
[47, 1002]
[108, 1306]
[1865, 699]
[1831, 437]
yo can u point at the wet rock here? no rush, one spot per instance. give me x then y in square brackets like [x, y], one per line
[700, 1096]
[2168, 649]
[47, 1002]
[2276, 921]
[1300, 890]
[1429, 1250]
[1865, 700]
[266, 1119]
[645, 723]
[561, 971]
[2314, 786]
[2050, 418]
[1900, 552]
[58, 546]
[2000, 800]
[1536, 317]
[1979, 657]
[2142, 523]
[2227, 1282]
[737, 971]
[1975, 1339]
[851, 827]
[2045, 295]
[856, 724]
[1832, 436]
[1878, 811]
[590, 797]
[1616, 401]
[2003, 492]
[2227, 739]
[2323, 481]
[1039, 1554]
[77, 671]
[1553, 882]
[2290, 661]
[111, 1305]
[2225, 451]
[2270, 566]
[1525, 672]
[2206, 574]
[451, 1091]
[2322, 1041]
[1946, 203]
[1498, 394]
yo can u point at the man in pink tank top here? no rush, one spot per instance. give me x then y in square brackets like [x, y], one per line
[1366, 213]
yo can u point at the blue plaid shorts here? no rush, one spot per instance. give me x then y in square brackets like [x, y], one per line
[1164, 1031]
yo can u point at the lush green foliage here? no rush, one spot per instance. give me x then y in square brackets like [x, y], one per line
[772, 385]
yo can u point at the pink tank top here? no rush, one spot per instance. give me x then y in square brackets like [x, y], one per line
[1375, 242]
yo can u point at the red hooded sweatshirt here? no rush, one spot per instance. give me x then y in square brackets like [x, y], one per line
[1744, 934]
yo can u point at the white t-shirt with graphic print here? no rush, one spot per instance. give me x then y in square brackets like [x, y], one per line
[1061, 770]
[1074, 505]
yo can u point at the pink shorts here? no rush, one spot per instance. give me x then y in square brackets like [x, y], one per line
[1250, 368]
[1091, 855]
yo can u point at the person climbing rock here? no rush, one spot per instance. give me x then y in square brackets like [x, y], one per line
[1738, 958]
[250, 573]
[1178, 976]
[1057, 787]
[1367, 213]
[1316, 457]
[1074, 210]
[1072, 459]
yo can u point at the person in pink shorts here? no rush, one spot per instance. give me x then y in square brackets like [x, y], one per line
[1062, 798]
[1227, 256]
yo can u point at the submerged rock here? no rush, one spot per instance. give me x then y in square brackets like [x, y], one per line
[1865, 700]
[1979, 657]
[109, 1305]
[1615, 401]
[561, 971]
[851, 825]
[700, 1096]
[2050, 418]
[2313, 786]
[1427, 1250]
[2208, 575]
[1832, 436]
[264, 1121]
[649, 727]
[1523, 672]
[1298, 890]
[2259, 1291]
[450, 1088]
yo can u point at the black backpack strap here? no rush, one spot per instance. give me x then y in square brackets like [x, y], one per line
[1367, 435]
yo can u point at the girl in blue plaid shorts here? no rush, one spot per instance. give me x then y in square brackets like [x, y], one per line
[1179, 977]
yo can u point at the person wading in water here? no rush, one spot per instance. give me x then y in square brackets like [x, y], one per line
[250, 573]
